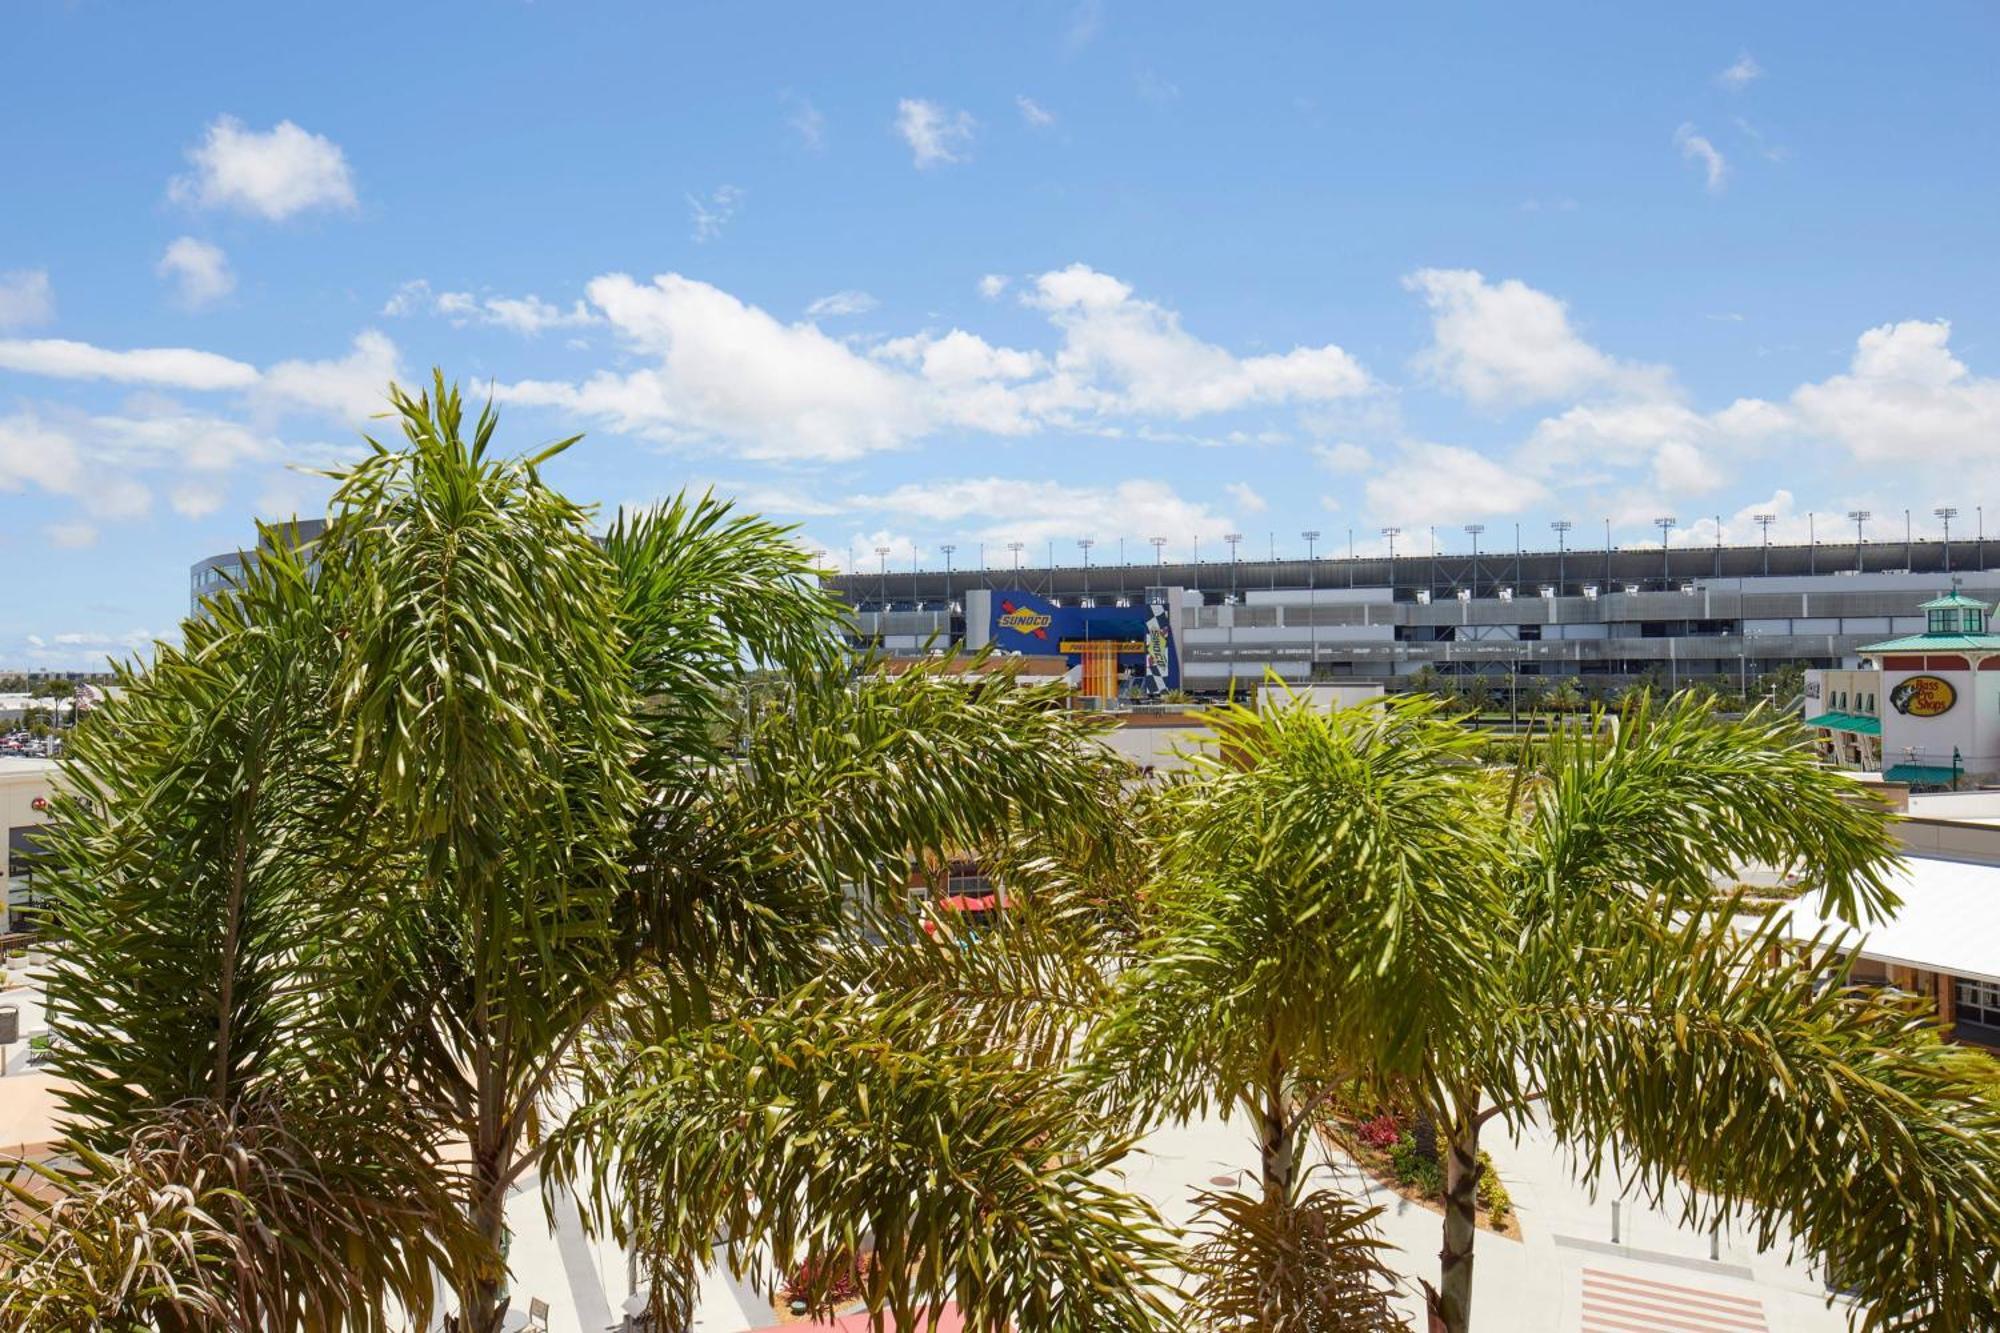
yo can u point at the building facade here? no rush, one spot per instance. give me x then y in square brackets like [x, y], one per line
[1723, 615]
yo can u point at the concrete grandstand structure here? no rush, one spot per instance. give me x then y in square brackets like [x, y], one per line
[1610, 616]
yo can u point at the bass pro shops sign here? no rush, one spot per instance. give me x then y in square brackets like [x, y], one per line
[1923, 696]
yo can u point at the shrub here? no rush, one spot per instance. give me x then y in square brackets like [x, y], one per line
[1493, 1196]
[1381, 1132]
[841, 1274]
[1413, 1169]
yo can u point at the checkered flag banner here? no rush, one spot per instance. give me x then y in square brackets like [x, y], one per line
[1158, 643]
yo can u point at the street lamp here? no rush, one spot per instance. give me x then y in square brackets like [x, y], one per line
[1666, 526]
[1473, 530]
[1860, 517]
[1562, 527]
[1765, 521]
[1947, 513]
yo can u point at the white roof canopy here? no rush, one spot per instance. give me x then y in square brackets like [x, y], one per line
[1949, 921]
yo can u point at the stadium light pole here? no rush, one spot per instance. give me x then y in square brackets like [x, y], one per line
[1765, 521]
[1312, 600]
[947, 548]
[1665, 523]
[1562, 527]
[1159, 551]
[1946, 513]
[1860, 517]
[1473, 530]
[1391, 534]
[1907, 546]
[1084, 544]
[1234, 539]
[882, 554]
[1812, 542]
[1016, 548]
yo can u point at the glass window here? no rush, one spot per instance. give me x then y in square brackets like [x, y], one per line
[1979, 1002]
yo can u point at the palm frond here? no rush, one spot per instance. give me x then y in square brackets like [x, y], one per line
[1307, 1261]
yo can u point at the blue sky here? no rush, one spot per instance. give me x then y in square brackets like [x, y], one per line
[910, 275]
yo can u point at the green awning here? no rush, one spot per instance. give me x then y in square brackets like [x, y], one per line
[1924, 775]
[1859, 723]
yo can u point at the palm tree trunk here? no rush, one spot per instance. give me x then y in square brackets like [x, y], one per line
[1461, 1193]
[1274, 1139]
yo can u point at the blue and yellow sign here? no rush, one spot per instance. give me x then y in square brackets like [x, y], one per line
[1026, 623]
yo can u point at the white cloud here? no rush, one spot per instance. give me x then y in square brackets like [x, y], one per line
[354, 386]
[1002, 509]
[710, 214]
[1443, 483]
[1246, 497]
[26, 298]
[1085, 21]
[71, 535]
[1156, 88]
[935, 133]
[729, 373]
[1696, 148]
[1037, 115]
[1740, 75]
[178, 367]
[273, 174]
[1121, 353]
[1343, 457]
[992, 285]
[34, 453]
[1905, 396]
[194, 500]
[842, 303]
[526, 315]
[806, 122]
[1506, 343]
[199, 269]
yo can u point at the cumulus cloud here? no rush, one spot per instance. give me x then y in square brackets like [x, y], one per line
[1905, 395]
[275, 174]
[1000, 509]
[195, 500]
[1246, 497]
[1122, 353]
[526, 315]
[176, 367]
[353, 387]
[1444, 483]
[1697, 148]
[26, 298]
[726, 372]
[1740, 75]
[992, 285]
[935, 133]
[1506, 343]
[712, 212]
[199, 271]
[842, 303]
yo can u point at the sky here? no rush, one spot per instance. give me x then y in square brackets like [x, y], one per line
[914, 275]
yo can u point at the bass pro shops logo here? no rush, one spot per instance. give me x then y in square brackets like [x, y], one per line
[1024, 620]
[1923, 696]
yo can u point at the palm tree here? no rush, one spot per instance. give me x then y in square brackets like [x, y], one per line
[1354, 899]
[370, 883]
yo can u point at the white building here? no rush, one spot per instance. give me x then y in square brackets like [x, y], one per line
[1924, 708]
